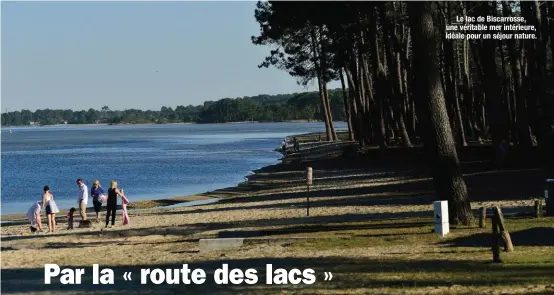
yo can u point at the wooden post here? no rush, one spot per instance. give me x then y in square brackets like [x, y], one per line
[508, 246]
[538, 208]
[308, 199]
[483, 217]
[495, 241]
[308, 183]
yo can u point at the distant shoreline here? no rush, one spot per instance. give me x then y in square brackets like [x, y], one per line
[86, 125]
[140, 124]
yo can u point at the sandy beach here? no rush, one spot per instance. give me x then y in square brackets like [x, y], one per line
[369, 224]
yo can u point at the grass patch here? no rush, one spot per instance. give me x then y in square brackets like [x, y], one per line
[411, 257]
[519, 223]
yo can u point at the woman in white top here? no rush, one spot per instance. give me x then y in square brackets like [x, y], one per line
[47, 198]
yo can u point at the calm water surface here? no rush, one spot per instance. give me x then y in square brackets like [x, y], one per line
[148, 161]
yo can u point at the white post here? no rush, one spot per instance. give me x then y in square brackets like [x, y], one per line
[309, 175]
[442, 227]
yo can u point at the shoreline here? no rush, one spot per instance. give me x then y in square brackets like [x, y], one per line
[148, 124]
[170, 201]
[155, 203]
[92, 125]
[138, 205]
[223, 194]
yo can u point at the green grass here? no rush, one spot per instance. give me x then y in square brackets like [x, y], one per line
[413, 257]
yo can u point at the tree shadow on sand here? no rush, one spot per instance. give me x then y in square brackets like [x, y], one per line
[195, 228]
[537, 236]
[348, 273]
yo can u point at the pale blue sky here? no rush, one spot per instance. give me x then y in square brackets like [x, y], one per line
[80, 55]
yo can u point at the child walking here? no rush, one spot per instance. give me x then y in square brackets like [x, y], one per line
[70, 218]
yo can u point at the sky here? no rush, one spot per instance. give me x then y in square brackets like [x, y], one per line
[144, 55]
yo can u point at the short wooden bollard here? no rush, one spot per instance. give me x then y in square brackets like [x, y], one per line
[508, 246]
[309, 178]
[538, 208]
[483, 217]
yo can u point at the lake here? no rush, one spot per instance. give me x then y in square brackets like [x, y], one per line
[148, 161]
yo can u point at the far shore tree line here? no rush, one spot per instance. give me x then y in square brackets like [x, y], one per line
[405, 84]
[260, 108]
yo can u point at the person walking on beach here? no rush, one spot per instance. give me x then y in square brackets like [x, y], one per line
[111, 206]
[284, 147]
[49, 205]
[83, 199]
[96, 191]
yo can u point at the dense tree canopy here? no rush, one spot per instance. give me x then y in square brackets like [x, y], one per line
[260, 108]
[405, 83]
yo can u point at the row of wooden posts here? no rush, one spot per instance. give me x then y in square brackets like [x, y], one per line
[499, 232]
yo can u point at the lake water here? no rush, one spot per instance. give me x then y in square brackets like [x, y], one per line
[148, 161]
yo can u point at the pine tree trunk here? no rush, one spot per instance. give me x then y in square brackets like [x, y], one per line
[323, 67]
[507, 96]
[450, 80]
[457, 74]
[498, 118]
[395, 82]
[329, 115]
[551, 30]
[544, 111]
[347, 108]
[320, 84]
[406, 78]
[378, 72]
[449, 182]
[357, 105]
[366, 86]
[522, 122]
[533, 77]
[469, 95]
[453, 72]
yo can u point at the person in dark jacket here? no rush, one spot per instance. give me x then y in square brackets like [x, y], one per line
[111, 204]
[96, 191]
[296, 144]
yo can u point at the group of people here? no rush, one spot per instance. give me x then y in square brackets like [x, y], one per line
[295, 144]
[98, 197]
